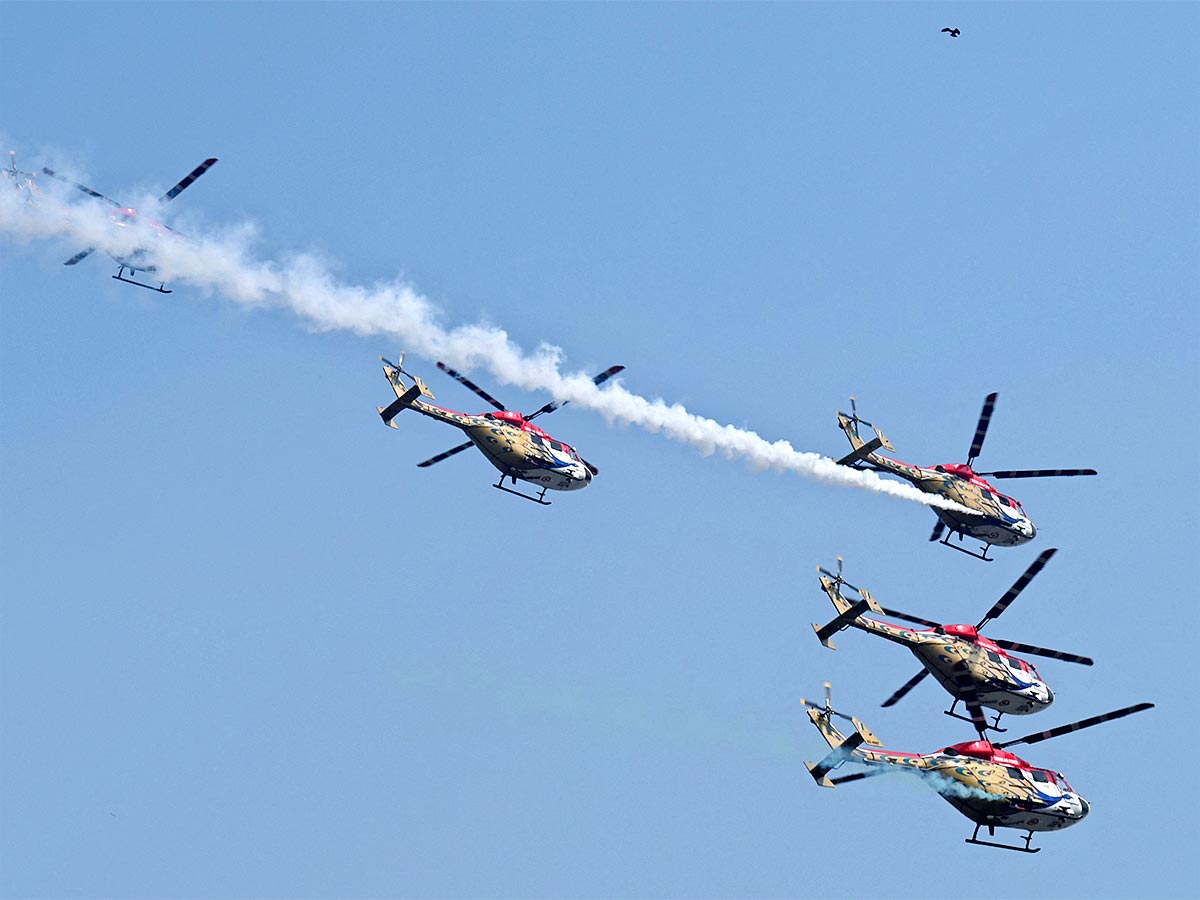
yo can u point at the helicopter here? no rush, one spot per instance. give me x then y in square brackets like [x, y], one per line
[1000, 521]
[124, 217]
[982, 780]
[509, 440]
[976, 671]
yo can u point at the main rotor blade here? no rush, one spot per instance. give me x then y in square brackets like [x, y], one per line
[937, 530]
[464, 380]
[436, 459]
[966, 688]
[1018, 586]
[869, 773]
[896, 614]
[1038, 473]
[908, 686]
[1077, 726]
[1042, 651]
[985, 417]
[79, 256]
[975, 711]
[86, 190]
[187, 181]
[598, 380]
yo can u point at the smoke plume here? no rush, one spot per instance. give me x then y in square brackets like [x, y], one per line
[224, 262]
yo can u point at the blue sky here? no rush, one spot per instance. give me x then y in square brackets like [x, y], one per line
[247, 648]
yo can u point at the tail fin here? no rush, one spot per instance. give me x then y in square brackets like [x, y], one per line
[848, 611]
[405, 396]
[863, 450]
[844, 748]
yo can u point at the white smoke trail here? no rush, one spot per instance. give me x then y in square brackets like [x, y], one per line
[223, 262]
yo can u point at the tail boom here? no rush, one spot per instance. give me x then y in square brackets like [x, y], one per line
[406, 397]
[848, 612]
[864, 451]
[844, 749]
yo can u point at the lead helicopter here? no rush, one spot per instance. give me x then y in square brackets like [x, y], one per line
[509, 440]
[982, 780]
[976, 671]
[124, 217]
[999, 521]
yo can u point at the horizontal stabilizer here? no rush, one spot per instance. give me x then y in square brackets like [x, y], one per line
[822, 777]
[861, 453]
[834, 758]
[400, 403]
[824, 633]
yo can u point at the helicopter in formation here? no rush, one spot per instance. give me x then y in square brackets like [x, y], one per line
[998, 520]
[976, 671]
[982, 780]
[510, 441]
[21, 181]
[124, 217]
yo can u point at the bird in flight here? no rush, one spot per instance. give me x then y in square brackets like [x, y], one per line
[953, 32]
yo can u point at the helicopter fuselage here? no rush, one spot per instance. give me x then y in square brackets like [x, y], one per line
[994, 787]
[998, 519]
[988, 785]
[135, 260]
[996, 679]
[517, 447]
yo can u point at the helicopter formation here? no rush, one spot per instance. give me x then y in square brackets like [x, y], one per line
[992, 787]
[980, 778]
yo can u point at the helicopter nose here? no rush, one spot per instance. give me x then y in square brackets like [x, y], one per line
[1084, 806]
[1049, 695]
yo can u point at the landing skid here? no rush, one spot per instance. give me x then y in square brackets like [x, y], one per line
[994, 726]
[540, 498]
[952, 714]
[983, 555]
[973, 839]
[161, 285]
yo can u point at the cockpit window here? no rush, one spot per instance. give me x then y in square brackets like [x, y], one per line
[556, 445]
[1040, 776]
[1015, 665]
[536, 439]
[994, 656]
[1013, 771]
[1003, 500]
[574, 455]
